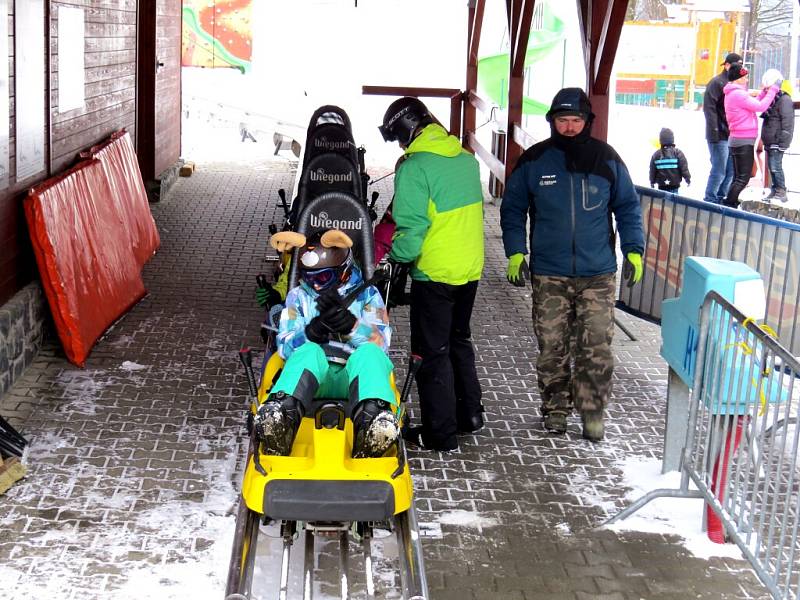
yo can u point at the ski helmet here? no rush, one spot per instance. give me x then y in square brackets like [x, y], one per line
[403, 118]
[323, 268]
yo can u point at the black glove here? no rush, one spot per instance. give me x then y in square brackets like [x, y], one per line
[329, 301]
[339, 320]
[397, 286]
[317, 331]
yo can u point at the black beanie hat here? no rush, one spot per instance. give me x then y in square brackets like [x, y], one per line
[666, 137]
[570, 101]
[736, 71]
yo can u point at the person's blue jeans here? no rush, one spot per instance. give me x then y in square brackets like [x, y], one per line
[721, 174]
[775, 166]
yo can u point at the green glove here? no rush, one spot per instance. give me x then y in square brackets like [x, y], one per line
[632, 269]
[518, 270]
[266, 295]
[261, 296]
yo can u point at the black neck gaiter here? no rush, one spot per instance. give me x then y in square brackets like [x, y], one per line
[580, 154]
[584, 154]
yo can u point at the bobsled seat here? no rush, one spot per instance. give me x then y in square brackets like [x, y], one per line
[337, 210]
[333, 138]
[327, 172]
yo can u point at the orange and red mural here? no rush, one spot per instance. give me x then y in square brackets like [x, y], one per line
[217, 34]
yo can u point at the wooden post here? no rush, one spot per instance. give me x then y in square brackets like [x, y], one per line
[520, 14]
[605, 20]
[474, 26]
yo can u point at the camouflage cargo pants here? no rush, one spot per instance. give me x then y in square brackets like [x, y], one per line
[573, 318]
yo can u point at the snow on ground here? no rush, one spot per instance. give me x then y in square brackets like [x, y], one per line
[675, 516]
[192, 539]
[464, 518]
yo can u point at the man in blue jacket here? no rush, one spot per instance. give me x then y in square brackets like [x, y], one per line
[569, 186]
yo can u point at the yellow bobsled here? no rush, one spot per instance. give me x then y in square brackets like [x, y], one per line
[320, 481]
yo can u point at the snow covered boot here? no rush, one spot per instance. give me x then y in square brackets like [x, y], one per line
[555, 421]
[276, 423]
[471, 425]
[375, 429]
[593, 429]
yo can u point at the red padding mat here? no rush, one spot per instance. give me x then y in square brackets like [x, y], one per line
[90, 275]
[122, 167]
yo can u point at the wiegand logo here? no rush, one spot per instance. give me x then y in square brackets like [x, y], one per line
[322, 220]
[322, 175]
[326, 144]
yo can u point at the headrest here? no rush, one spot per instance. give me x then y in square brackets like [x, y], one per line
[328, 114]
[343, 212]
[330, 138]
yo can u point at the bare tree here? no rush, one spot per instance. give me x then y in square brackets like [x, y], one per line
[645, 10]
[768, 22]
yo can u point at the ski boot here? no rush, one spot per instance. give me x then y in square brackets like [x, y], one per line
[375, 429]
[276, 423]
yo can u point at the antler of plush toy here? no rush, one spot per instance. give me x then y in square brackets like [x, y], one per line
[334, 238]
[286, 240]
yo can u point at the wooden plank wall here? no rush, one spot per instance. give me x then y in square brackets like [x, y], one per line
[110, 71]
[110, 104]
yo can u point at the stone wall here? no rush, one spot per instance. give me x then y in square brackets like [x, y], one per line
[22, 327]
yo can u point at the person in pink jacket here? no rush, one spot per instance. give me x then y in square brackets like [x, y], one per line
[740, 112]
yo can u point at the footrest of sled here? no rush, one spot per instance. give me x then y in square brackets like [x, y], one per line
[311, 500]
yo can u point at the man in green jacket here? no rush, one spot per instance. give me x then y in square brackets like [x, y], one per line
[438, 208]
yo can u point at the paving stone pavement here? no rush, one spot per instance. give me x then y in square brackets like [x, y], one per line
[135, 461]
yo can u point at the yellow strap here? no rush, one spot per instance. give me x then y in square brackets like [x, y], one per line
[744, 347]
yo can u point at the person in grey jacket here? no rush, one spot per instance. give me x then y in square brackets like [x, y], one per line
[721, 174]
[776, 135]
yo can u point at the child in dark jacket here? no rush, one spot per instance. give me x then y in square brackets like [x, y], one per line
[776, 134]
[668, 165]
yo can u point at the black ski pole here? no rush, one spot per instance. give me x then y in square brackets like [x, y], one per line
[284, 204]
[246, 356]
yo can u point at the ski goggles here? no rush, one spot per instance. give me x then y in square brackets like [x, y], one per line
[388, 135]
[321, 279]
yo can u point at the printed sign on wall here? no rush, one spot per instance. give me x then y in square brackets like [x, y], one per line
[217, 34]
[29, 50]
[71, 76]
[4, 95]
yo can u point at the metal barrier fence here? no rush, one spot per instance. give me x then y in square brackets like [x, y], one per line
[742, 444]
[677, 227]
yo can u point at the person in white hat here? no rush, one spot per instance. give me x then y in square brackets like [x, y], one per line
[776, 134]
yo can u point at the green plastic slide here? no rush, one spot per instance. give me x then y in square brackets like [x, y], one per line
[493, 70]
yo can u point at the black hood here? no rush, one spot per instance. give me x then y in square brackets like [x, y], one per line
[571, 101]
[666, 137]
